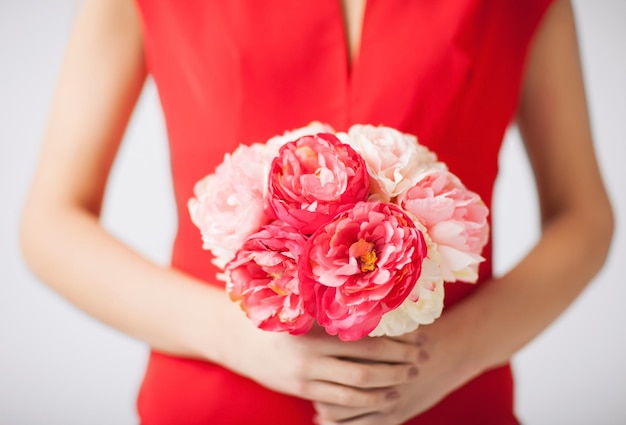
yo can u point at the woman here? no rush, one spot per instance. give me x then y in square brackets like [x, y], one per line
[453, 74]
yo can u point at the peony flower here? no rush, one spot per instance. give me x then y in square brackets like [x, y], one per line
[359, 235]
[314, 127]
[229, 204]
[313, 179]
[456, 220]
[359, 266]
[394, 160]
[425, 302]
[263, 277]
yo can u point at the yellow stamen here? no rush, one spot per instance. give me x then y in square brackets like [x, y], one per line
[368, 261]
[365, 254]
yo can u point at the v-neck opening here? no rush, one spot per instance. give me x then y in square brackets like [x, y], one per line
[351, 58]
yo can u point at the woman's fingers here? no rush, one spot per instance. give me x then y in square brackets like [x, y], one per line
[361, 374]
[328, 412]
[374, 349]
[349, 397]
[365, 419]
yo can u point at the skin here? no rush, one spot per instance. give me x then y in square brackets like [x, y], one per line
[372, 381]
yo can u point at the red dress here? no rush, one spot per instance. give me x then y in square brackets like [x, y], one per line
[234, 71]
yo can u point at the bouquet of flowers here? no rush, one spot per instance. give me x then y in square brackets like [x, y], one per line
[357, 230]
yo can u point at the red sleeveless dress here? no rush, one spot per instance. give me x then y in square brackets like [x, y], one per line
[234, 71]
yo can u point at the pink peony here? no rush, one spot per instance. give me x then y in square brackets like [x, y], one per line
[394, 159]
[229, 204]
[263, 277]
[362, 264]
[313, 179]
[456, 220]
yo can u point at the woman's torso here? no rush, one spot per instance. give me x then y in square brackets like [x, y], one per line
[236, 71]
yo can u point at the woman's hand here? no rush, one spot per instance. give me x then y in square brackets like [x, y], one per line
[321, 368]
[444, 364]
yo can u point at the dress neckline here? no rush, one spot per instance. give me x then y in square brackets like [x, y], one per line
[352, 20]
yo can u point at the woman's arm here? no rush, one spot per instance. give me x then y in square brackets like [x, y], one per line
[65, 245]
[487, 328]
[576, 215]
[62, 241]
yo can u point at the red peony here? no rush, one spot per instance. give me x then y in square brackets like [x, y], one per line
[362, 264]
[263, 277]
[313, 179]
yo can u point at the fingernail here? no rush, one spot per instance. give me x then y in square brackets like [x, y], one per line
[393, 395]
[423, 356]
[413, 372]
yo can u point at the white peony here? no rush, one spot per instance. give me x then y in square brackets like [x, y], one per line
[394, 159]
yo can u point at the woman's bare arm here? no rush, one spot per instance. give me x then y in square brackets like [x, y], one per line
[62, 240]
[576, 215]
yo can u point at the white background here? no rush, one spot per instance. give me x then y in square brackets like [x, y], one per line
[58, 366]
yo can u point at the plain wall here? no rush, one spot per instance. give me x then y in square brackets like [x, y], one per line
[58, 366]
